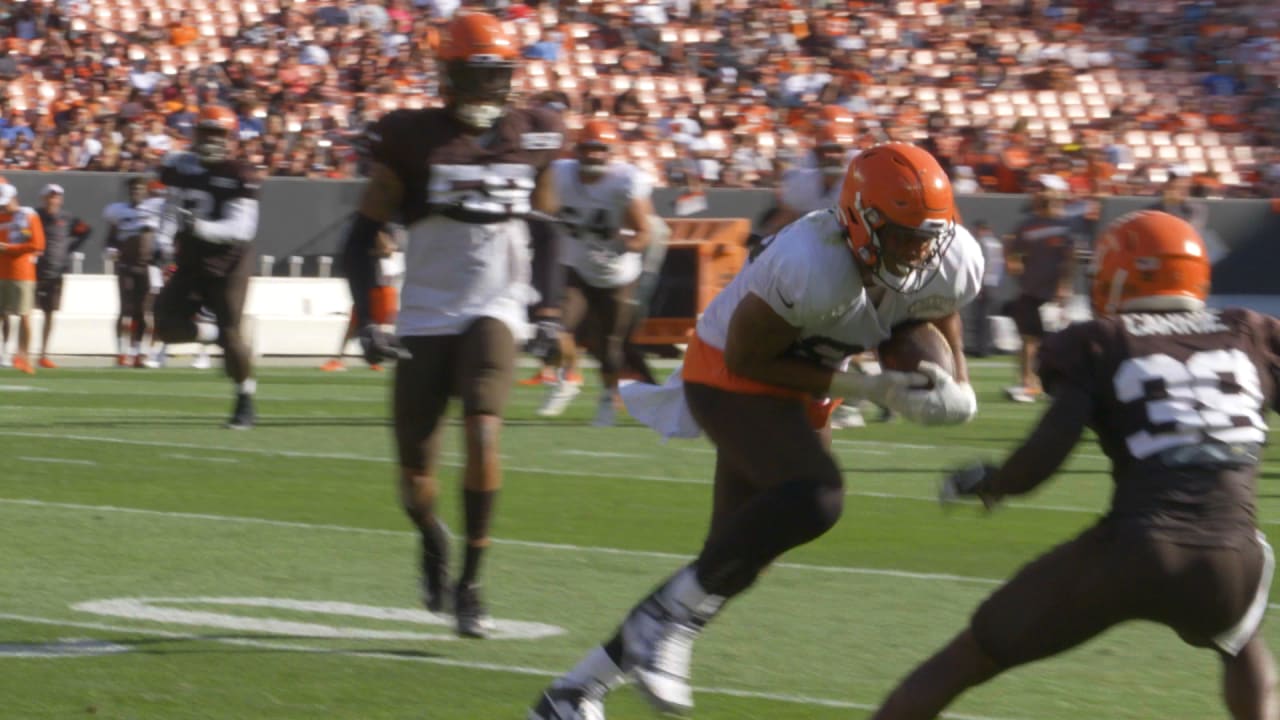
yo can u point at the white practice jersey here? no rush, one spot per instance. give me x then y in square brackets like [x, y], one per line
[808, 275]
[458, 272]
[803, 192]
[593, 214]
[130, 221]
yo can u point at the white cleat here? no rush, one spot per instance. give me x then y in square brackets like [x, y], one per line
[202, 362]
[6, 361]
[659, 652]
[559, 395]
[1019, 394]
[847, 416]
[568, 703]
[606, 413]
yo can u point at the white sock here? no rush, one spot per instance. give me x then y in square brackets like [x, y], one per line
[685, 589]
[248, 387]
[596, 671]
[206, 333]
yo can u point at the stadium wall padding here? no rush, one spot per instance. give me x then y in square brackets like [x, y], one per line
[309, 218]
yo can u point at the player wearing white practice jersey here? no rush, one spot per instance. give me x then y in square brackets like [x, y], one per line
[605, 211]
[768, 352]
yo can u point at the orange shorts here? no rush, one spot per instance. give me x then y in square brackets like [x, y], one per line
[704, 364]
[383, 303]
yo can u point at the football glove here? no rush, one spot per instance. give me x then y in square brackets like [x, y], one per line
[545, 344]
[876, 387]
[947, 403]
[380, 346]
[967, 482]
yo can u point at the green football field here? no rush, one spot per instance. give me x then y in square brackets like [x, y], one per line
[154, 565]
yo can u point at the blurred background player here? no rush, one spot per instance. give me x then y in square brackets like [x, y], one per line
[131, 243]
[385, 296]
[63, 235]
[768, 353]
[21, 242]
[212, 214]
[1041, 257]
[605, 206]
[461, 179]
[1176, 395]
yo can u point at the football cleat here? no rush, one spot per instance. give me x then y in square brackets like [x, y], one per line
[606, 412]
[1019, 394]
[568, 703]
[21, 364]
[541, 377]
[659, 652]
[469, 613]
[435, 584]
[559, 395]
[243, 416]
[47, 364]
[139, 361]
[334, 365]
[122, 361]
[5, 360]
[201, 361]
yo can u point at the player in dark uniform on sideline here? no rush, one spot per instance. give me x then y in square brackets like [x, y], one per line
[132, 241]
[213, 207]
[461, 179]
[1176, 395]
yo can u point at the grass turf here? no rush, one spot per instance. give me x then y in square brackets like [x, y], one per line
[120, 484]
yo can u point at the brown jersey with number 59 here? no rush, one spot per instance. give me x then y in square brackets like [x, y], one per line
[1179, 406]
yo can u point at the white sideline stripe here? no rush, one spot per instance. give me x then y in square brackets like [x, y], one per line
[511, 468]
[444, 662]
[602, 454]
[59, 461]
[555, 547]
[180, 456]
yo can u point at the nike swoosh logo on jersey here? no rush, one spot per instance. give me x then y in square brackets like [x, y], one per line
[790, 304]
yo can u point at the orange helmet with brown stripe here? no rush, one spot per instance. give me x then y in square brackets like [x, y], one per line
[215, 126]
[897, 207]
[595, 144]
[479, 59]
[1150, 260]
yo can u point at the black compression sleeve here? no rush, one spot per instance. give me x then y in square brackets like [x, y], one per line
[360, 264]
[548, 273]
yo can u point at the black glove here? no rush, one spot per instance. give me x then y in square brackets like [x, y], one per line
[380, 346]
[968, 482]
[545, 344]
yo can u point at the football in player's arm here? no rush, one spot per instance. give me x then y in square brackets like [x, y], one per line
[767, 355]
[1176, 395]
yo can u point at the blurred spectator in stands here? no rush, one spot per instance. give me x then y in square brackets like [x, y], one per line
[1175, 199]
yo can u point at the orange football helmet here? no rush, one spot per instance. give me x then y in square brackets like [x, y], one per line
[897, 207]
[215, 125]
[831, 145]
[597, 139]
[1150, 260]
[479, 61]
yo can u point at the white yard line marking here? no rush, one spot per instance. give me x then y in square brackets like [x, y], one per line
[199, 458]
[533, 544]
[441, 661]
[601, 454]
[559, 472]
[58, 461]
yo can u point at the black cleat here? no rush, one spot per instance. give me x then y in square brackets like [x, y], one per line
[469, 612]
[243, 417]
[567, 703]
[435, 586]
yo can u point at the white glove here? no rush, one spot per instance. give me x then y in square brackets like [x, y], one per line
[877, 388]
[947, 403]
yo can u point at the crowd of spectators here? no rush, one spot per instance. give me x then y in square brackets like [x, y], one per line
[1113, 96]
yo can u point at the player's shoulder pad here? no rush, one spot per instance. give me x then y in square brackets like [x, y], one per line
[543, 129]
[391, 127]
[180, 160]
[1071, 354]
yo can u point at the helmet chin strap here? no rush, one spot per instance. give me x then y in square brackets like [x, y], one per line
[479, 115]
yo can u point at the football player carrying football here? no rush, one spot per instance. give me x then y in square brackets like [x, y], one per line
[1176, 395]
[768, 352]
[212, 215]
[461, 179]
